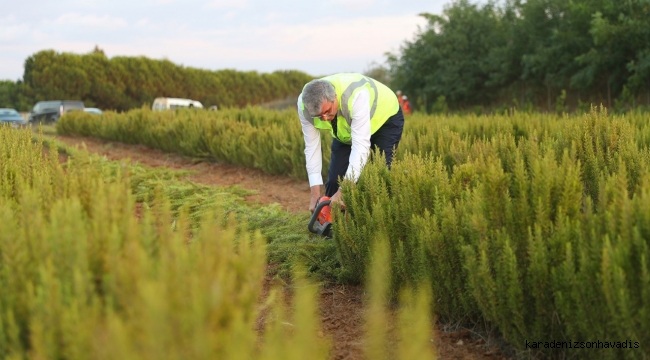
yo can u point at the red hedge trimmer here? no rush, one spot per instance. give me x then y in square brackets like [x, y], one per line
[321, 220]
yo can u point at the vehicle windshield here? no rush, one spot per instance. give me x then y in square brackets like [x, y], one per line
[93, 110]
[47, 105]
[73, 105]
[8, 113]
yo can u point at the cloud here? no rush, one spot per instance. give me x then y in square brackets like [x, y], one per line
[228, 4]
[40, 36]
[147, 25]
[7, 66]
[12, 32]
[328, 46]
[354, 5]
[275, 16]
[105, 21]
[335, 39]
[235, 34]
[142, 23]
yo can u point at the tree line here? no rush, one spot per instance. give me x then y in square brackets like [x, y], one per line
[549, 55]
[122, 83]
[545, 54]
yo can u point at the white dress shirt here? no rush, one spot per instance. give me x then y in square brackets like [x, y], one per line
[360, 140]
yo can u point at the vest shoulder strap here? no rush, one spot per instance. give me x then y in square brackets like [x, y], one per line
[347, 93]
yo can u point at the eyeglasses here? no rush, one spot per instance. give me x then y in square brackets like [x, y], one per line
[328, 114]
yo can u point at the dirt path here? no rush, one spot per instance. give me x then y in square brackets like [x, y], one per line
[292, 194]
[341, 306]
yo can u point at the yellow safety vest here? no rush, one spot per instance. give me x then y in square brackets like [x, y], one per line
[383, 104]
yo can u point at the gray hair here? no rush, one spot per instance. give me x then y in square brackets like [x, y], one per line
[315, 93]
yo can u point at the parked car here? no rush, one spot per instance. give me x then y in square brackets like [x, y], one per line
[11, 117]
[162, 103]
[51, 111]
[93, 111]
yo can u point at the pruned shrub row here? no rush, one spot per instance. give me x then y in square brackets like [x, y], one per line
[546, 236]
[268, 140]
[536, 223]
[88, 273]
[272, 140]
[123, 83]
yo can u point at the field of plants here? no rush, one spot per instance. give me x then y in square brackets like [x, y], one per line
[112, 260]
[535, 225]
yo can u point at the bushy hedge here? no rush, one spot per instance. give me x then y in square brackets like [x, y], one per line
[268, 140]
[537, 223]
[547, 237]
[123, 83]
[87, 274]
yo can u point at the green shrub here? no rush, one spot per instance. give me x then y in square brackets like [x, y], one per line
[87, 274]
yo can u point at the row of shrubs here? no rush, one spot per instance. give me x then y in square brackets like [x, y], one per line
[272, 140]
[536, 223]
[547, 237]
[251, 137]
[123, 83]
[86, 273]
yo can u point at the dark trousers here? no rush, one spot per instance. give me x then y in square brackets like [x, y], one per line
[385, 139]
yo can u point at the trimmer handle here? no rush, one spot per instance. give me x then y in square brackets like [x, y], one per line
[319, 206]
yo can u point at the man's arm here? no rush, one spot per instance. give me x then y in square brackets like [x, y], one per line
[360, 135]
[360, 127]
[313, 157]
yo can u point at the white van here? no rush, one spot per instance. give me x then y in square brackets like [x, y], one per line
[162, 103]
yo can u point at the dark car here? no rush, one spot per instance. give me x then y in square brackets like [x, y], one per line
[51, 111]
[11, 117]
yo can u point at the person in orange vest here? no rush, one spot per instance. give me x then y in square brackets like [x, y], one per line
[399, 97]
[406, 105]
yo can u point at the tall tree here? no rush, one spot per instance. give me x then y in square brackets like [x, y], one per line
[531, 50]
[451, 57]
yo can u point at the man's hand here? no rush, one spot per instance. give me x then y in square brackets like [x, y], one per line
[338, 198]
[315, 194]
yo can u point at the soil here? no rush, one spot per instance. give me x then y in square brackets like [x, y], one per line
[341, 306]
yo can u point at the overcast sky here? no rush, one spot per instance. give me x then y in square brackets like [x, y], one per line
[319, 37]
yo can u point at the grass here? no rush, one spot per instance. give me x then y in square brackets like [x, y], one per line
[46, 129]
[288, 240]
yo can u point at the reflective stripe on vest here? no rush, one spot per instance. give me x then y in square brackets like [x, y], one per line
[344, 132]
[345, 98]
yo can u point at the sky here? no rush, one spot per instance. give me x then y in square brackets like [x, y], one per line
[319, 37]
